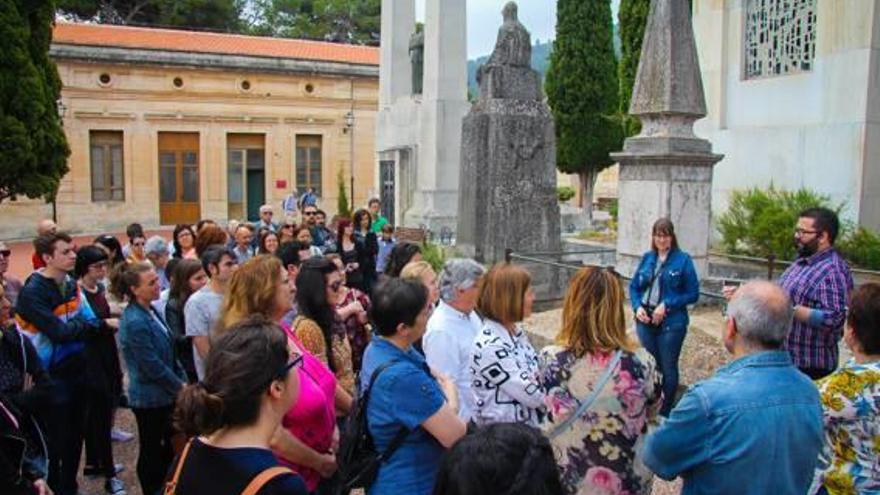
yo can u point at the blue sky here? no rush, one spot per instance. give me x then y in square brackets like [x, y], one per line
[484, 17]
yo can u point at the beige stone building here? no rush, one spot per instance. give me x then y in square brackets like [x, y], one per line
[169, 126]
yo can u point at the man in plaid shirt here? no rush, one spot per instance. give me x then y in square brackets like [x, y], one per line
[818, 284]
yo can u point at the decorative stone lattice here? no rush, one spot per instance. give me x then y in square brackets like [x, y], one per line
[780, 37]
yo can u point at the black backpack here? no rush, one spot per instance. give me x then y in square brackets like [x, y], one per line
[357, 458]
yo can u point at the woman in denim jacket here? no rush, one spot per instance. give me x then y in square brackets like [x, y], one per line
[154, 373]
[662, 287]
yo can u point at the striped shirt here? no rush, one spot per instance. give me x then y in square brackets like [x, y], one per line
[820, 282]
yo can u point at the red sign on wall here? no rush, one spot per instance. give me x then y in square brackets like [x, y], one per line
[280, 184]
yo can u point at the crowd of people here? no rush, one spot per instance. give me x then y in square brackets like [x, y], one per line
[258, 358]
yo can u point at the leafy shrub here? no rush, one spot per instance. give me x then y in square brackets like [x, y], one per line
[861, 247]
[613, 209]
[433, 254]
[564, 193]
[342, 208]
[760, 222]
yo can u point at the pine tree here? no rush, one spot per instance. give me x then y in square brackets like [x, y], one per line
[632, 18]
[33, 148]
[342, 207]
[582, 90]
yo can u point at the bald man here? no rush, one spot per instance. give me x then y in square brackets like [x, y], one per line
[45, 226]
[756, 425]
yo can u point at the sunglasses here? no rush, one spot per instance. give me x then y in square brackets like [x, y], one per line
[137, 244]
[6, 252]
[310, 213]
[295, 363]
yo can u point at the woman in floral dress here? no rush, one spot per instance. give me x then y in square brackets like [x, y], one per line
[597, 451]
[851, 404]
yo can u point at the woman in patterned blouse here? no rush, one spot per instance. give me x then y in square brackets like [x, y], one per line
[597, 451]
[851, 404]
[504, 365]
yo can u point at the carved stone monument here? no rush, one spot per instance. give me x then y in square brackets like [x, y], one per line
[507, 195]
[666, 171]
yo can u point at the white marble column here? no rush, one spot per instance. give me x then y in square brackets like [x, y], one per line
[444, 105]
[395, 70]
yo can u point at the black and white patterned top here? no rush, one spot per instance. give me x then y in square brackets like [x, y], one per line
[504, 369]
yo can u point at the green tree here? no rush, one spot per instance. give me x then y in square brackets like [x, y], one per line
[219, 15]
[582, 90]
[632, 18]
[342, 207]
[344, 21]
[33, 149]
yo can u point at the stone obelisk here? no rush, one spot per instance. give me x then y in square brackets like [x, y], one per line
[507, 196]
[666, 171]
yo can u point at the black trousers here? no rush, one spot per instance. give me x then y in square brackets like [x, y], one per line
[816, 373]
[156, 451]
[99, 448]
[66, 426]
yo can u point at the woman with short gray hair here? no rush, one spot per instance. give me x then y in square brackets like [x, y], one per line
[454, 326]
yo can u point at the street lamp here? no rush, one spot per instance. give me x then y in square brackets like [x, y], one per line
[61, 108]
[349, 124]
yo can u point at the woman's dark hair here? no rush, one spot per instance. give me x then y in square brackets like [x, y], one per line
[664, 226]
[124, 276]
[178, 251]
[242, 363]
[400, 255]
[311, 298]
[397, 301]
[111, 243]
[864, 317]
[180, 275]
[87, 256]
[358, 216]
[502, 459]
[209, 235]
[341, 224]
[134, 230]
[264, 234]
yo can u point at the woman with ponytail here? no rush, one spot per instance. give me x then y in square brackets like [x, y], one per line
[503, 459]
[305, 441]
[154, 374]
[251, 381]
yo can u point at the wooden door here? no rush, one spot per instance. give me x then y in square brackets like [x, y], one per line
[178, 178]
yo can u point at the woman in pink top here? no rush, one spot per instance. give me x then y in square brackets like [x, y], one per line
[306, 440]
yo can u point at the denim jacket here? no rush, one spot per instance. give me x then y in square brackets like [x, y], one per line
[154, 374]
[753, 427]
[679, 285]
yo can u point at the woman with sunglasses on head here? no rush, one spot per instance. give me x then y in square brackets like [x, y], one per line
[306, 440]
[103, 369]
[251, 381]
[662, 286]
[353, 309]
[602, 392]
[285, 231]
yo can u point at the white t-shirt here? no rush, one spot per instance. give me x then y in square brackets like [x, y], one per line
[200, 313]
[448, 341]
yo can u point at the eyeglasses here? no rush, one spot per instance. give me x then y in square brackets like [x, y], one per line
[799, 232]
[268, 213]
[310, 213]
[5, 253]
[137, 244]
[287, 226]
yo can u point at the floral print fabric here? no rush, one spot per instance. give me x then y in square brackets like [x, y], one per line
[597, 454]
[850, 462]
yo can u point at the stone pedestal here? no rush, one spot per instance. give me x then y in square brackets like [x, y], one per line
[508, 158]
[666, 171]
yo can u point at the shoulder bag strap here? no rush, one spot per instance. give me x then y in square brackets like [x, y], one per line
[401, 435]
[261, 479]
[585, 405]
[171, 485]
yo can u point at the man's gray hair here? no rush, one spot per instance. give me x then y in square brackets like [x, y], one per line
[156, 245]
[763, 314]
[458, 274]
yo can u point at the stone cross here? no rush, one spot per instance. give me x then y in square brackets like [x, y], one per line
[666, 171]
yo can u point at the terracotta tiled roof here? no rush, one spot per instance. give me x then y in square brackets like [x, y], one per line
[201, 42]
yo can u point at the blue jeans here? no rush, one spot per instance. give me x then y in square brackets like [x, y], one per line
[664, 343]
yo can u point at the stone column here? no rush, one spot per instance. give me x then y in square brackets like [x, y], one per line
[398, 23]
[444, 104]
[666, 171]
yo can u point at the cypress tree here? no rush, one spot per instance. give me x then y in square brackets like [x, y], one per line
[582, 90]
[33, 148]
[632, 18]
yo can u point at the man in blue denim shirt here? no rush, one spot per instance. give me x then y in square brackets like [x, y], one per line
[754, 427]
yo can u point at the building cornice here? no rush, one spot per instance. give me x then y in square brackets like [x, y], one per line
[139, 56]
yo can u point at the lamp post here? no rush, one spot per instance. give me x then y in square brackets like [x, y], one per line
[349, 124]
[61, 108]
